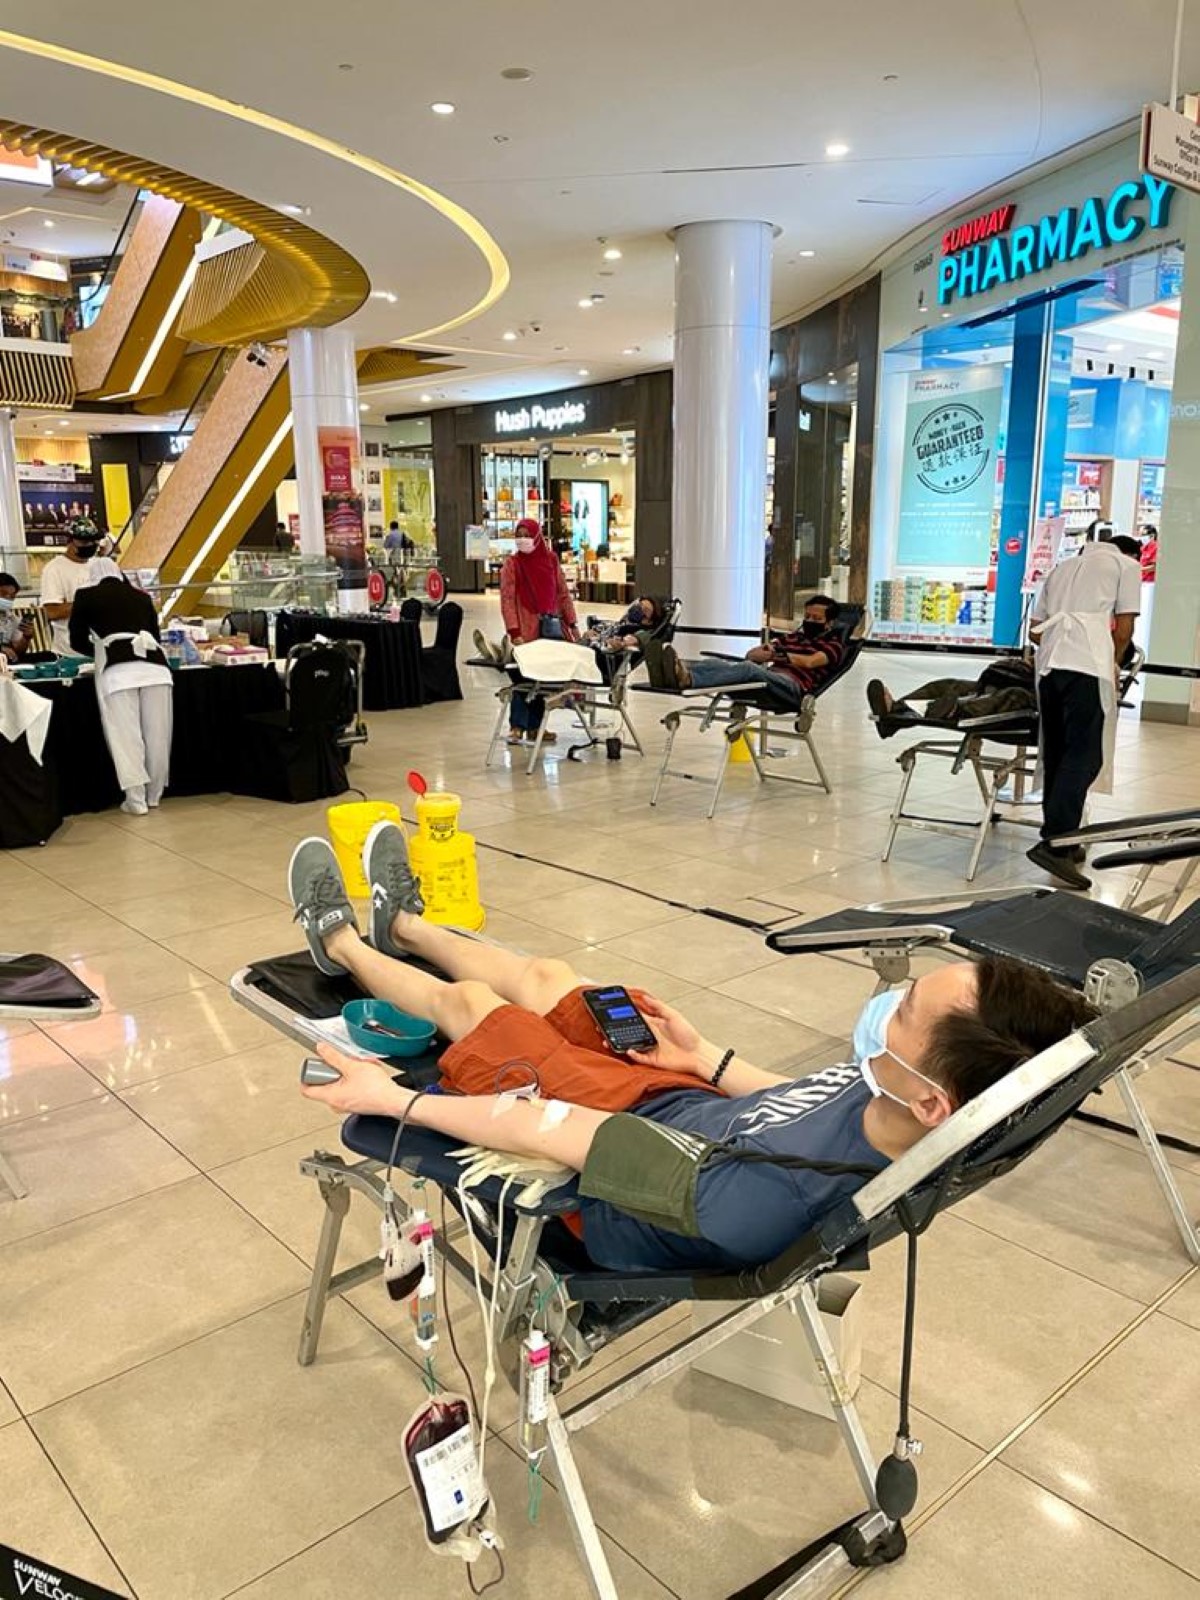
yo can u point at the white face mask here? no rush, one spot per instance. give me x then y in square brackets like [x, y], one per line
[870, 1040]
[526, 546]
[5, 604]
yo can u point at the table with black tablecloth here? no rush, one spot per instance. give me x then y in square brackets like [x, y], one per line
[392, 674]
[208, 744]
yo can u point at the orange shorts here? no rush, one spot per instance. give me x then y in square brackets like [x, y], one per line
[566, 1050]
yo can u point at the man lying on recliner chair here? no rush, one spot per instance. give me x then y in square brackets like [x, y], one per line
[791, 665]
[1004, 688]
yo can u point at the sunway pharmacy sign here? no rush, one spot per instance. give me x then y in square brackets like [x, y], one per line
[988, 252]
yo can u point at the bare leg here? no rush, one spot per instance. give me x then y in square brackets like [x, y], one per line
[534, 982]
[455, 1008]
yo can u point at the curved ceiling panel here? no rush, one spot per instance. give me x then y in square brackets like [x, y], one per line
[450, 268]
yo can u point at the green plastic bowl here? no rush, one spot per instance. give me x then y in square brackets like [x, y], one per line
[416, 1035]
[67, 667]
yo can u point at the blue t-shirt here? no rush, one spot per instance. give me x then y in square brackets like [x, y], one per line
[747, 1211]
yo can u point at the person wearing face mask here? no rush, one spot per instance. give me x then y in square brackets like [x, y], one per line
[535, 604]
[682, 1150]
[14, 630]
[792, 664]
[62, 578]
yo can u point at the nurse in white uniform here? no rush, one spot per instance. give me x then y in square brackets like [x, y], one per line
[117, 624]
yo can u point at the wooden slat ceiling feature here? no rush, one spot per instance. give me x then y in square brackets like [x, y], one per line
[392, 363]
[313, 282]
[38, 378]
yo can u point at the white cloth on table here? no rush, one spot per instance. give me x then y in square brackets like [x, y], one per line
[23, 712]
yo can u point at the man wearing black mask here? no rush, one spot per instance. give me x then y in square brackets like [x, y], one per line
[62, 577]
[792, 664]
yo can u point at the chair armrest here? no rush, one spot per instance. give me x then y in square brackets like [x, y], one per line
[911, 936]
[1150, 825]
[719, 655]
[1185, 848]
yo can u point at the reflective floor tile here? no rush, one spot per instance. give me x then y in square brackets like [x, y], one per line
[702, 950]
[1003, 1536]
[139, 1278]
[81, 1159]
[818, 991]
[214, 1464]
[370, 1553]
[39, 1517]
[599, 964]
[37, 1075]
[231, 1108]
[220, 951]
[1008, 1325]
[1122, 1444]
[158, 1037]
[136, 973]
[595, 912]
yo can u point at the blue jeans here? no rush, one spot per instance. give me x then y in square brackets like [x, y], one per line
[525, 712]
[716, 674]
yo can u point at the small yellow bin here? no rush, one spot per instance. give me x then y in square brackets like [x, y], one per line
[349, 826]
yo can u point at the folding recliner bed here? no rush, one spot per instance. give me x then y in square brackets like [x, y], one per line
[737, 710]
[546, 1277]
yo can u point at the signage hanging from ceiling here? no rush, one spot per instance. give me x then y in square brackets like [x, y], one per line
[988, 252]
[1171, 147]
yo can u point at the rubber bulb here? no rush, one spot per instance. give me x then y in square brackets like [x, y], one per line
[896, 1487]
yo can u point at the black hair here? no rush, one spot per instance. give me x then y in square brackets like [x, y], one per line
[1149, 530]
[1127, 545]
[832, 608]
[7, 581]
[1018, 1013]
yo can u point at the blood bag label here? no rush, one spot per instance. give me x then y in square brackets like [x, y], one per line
[450, 1475]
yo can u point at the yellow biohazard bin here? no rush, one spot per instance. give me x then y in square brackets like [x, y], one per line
[740, 750]
[444, 860]
[349, 826]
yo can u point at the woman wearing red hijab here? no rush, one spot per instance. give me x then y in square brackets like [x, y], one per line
[536, 605]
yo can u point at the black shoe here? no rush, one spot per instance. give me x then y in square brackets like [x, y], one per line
[318, 893]
[1078, 854]
[675, 673]
[877, 698]
[1058, 866]
[654, 664]
[393, 886]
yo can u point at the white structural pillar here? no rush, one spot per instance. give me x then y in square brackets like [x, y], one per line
[323, 373]
[722, 357]
[12, 520]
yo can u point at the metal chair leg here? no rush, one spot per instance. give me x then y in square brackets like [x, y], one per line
[819, 764]
[985, 823]
[671, 723]
[10, 1181]
[726, 752]
[579, 1513]
[908, 768]
[637, 743]
[1159, 1165]
[337, 1202]
[840, 1398]
[501, 719]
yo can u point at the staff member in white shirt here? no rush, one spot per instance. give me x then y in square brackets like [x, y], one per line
[62, 578]
[1082, 625]
[118, 625]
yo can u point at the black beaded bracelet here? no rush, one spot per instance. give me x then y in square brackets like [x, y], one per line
[721, 1066]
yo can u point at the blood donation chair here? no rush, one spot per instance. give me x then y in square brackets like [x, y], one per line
[1157, 840]
[547, 1280]
[751, 711]
[591, 683]
[38, 988]
[1112, 956]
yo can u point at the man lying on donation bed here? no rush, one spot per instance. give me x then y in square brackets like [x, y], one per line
[791, 665]
[656, 1137]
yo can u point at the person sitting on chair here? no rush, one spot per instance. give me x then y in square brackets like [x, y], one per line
[646, 612]
[791, 664]
[1004, 688]
[684, 1150]
[15, 631]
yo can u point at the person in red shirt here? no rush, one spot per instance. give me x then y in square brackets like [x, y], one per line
[792, 664]
[536, 604]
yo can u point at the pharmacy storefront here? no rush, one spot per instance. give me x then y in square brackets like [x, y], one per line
[1026, 369]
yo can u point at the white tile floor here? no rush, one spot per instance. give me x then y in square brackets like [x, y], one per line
[156, 1434]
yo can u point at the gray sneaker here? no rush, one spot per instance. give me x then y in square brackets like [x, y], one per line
[393, 887]
[319, 895]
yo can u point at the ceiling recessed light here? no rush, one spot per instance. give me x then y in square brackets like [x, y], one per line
[585, 305]
[807, 255]
[612, 253]
[584, 372]
[1112, 348]
[425, 399]
[630, 350]
[837, 148]
[295, 211]
[924, 310]
[516, 74]
[1156, 355]
[383, 294]
[508, 334]
[63, 423]
[47, 222]
[442, 108]
[945, 316]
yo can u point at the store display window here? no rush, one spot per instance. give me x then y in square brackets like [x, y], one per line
[1085, 372]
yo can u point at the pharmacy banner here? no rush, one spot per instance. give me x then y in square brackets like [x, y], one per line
[948, 487]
